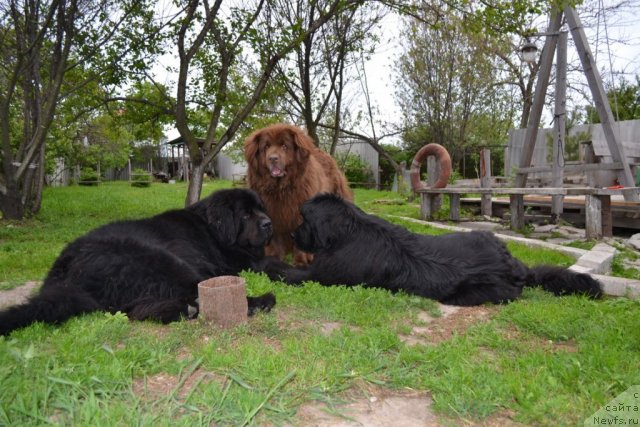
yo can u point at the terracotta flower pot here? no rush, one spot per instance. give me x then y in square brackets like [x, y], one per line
[223, 300]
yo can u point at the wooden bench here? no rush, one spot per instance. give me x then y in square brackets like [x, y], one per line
[598, 219]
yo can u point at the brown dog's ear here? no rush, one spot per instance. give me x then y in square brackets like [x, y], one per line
[252, 149]
[303, 144]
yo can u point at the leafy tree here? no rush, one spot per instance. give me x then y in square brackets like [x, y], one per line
[624, 101]
[42, 43]
[314, 75]
[212, 43]
[146, 112]
[452, 85]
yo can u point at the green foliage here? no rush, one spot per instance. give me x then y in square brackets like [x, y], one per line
[448, 85]
[354, 168]
[54, 54]
[89, 177]
[146, 112]
[624, 101]
[140, 178]
[387, 171]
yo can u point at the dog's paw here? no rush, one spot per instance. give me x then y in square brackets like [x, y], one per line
[262, 303]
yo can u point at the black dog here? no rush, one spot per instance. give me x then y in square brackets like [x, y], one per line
[353, 248]
[150, 268]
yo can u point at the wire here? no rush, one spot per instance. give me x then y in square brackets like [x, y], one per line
[560, 159]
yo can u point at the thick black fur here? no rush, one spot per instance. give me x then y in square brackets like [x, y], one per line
[150, 268]
[353, 248]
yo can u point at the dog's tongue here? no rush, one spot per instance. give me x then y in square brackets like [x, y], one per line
[276, 172]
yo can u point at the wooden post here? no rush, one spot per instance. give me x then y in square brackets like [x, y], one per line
[560, 125]
[485, 181]
[589, 157]
[605, 214]
[517, 211]
[546, 61]
[600, 99]
[425, 206]
[454, 207]
[593, 218]
[433, 172]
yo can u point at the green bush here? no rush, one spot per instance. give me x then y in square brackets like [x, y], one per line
[89, 176]
[355, 169]
[140, 178]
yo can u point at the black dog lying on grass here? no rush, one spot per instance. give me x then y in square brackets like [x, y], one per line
[150, 268]
[353, 248]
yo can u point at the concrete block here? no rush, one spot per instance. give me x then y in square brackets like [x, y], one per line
[618, 286]
[603, 247]
[600, 262]
[580, 269]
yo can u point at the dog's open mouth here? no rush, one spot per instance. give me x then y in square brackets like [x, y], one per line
[276, 172]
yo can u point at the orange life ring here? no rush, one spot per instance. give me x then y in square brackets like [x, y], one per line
[443, 159]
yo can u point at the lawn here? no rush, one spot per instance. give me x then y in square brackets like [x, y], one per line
[541, 360]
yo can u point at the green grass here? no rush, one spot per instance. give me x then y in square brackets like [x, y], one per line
[543, 360]
[29, 247]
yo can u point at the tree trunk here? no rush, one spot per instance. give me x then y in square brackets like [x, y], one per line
[11, 203]
[39, 183]
[195, 184]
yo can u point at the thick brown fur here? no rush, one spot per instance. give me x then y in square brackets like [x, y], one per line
[286, 168]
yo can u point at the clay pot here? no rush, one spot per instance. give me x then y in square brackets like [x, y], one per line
[223, 301]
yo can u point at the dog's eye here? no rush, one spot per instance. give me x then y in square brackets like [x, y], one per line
[267, 145]
[246, 217]
[285, 148]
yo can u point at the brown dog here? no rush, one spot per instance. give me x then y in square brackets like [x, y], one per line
[285, 168]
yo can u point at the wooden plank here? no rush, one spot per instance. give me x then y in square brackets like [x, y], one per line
[587, 167]
[454, 207]
[593, 217]
[485, 180]
[558, 162]
[542, 83]
[433, 172]
[517, 211]
[425, 206]
[605, 214]
[549, 191]
[600, 148]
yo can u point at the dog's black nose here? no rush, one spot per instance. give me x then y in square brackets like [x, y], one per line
[265, 224]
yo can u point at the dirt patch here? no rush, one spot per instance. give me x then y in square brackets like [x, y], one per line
[375, 407]
[18, 295]
[454, 321]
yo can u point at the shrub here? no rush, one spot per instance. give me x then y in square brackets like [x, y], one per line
[140, 178]
[89, 176]
[355, 169]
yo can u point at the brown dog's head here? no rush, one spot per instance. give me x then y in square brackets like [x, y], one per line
[278, 150]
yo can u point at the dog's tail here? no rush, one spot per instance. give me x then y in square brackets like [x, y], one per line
[52, 305]
[561, 281]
